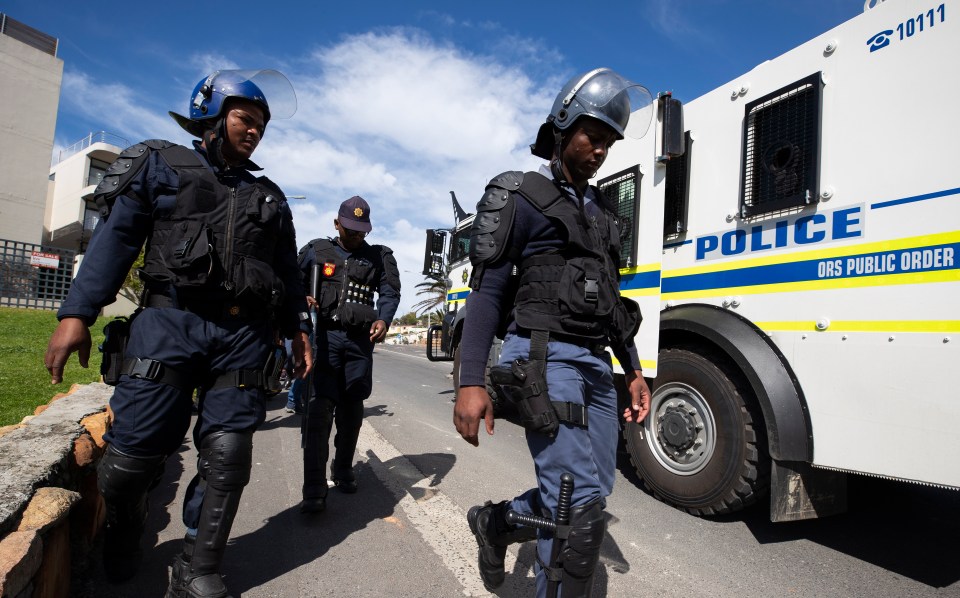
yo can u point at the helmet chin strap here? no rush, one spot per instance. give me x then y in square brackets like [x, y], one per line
[556, 167]
[213, 139]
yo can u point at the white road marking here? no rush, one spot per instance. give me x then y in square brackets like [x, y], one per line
[441, 523]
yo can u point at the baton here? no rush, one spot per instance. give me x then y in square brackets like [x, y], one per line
[560, 528]
[308, 393]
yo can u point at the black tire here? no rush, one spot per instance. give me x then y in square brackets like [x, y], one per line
[702, 448]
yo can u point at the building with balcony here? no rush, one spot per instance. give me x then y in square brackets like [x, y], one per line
[71, 214]
[30, 77]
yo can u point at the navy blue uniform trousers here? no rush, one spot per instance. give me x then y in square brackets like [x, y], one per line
[574, 375]
[151, 418]
[343, 379]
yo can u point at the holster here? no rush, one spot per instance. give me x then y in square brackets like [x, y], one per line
[272, 370]
[522, 386]
[116, 334]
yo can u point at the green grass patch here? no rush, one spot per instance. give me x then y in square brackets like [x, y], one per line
[24, 382]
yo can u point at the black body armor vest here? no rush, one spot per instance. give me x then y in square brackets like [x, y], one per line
[574, 291]
[219, 240]
[569, 292]
[347, 285]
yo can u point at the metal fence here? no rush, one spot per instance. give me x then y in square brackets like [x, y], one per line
[34, 275]
[28, 35]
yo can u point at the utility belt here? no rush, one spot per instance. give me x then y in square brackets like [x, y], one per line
[212, 307]
[115, 364]
[520, 392]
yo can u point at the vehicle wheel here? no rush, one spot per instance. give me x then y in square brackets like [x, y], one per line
[703, 446]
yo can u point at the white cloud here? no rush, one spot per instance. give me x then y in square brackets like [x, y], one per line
[127, 110]
[394, 116]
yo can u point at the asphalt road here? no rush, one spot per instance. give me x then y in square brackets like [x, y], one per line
[405, 532]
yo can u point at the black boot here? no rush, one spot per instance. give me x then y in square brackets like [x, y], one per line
[488, 523]
[344, 479]
[124, 481]
[181, 568]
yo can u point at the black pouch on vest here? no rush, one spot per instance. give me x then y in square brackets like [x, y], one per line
[523, 386]
[255, 280]
[188, 254]
[115, 336]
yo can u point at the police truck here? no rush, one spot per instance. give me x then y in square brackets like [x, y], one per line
[793, 240]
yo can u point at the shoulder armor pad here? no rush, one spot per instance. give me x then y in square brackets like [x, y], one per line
[494, 220]
[124, 168]
[158, 144]
[509, 180]
[320, 243]
[390, 268]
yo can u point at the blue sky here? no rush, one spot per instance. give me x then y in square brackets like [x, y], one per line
[400, 102]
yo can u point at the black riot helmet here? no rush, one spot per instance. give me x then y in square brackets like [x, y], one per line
[623, 105]
[212, 93]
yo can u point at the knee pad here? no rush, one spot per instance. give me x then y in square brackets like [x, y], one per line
[581, 551]
[122, 478]
[226, 459]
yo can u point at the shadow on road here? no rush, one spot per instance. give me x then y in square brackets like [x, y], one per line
[908, 529]
[289, 539]
[905, 528]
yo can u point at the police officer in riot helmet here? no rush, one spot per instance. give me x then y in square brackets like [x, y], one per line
[221, 286]
[545, 247]
[349, 322]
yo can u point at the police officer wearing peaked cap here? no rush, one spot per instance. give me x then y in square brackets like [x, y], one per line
[349, 323]
[221, 281]
[546, 248]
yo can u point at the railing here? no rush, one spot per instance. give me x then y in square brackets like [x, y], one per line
[28, 35]
[98, 137]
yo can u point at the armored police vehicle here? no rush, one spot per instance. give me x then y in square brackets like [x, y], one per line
[793, 242]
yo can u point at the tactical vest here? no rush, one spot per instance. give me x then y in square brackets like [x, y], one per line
[347, 285]
[573, 291]
[219, 239]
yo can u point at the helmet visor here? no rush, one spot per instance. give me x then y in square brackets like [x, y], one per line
[624, 102]
[276, 88]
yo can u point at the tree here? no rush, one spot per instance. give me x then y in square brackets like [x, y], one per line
[436, 297]
[408, 319]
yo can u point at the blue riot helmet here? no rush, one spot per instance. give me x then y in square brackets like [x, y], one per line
[625, 106]
[213, 92]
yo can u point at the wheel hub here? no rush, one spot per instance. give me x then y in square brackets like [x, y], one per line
[683, 434]
[677, 429]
